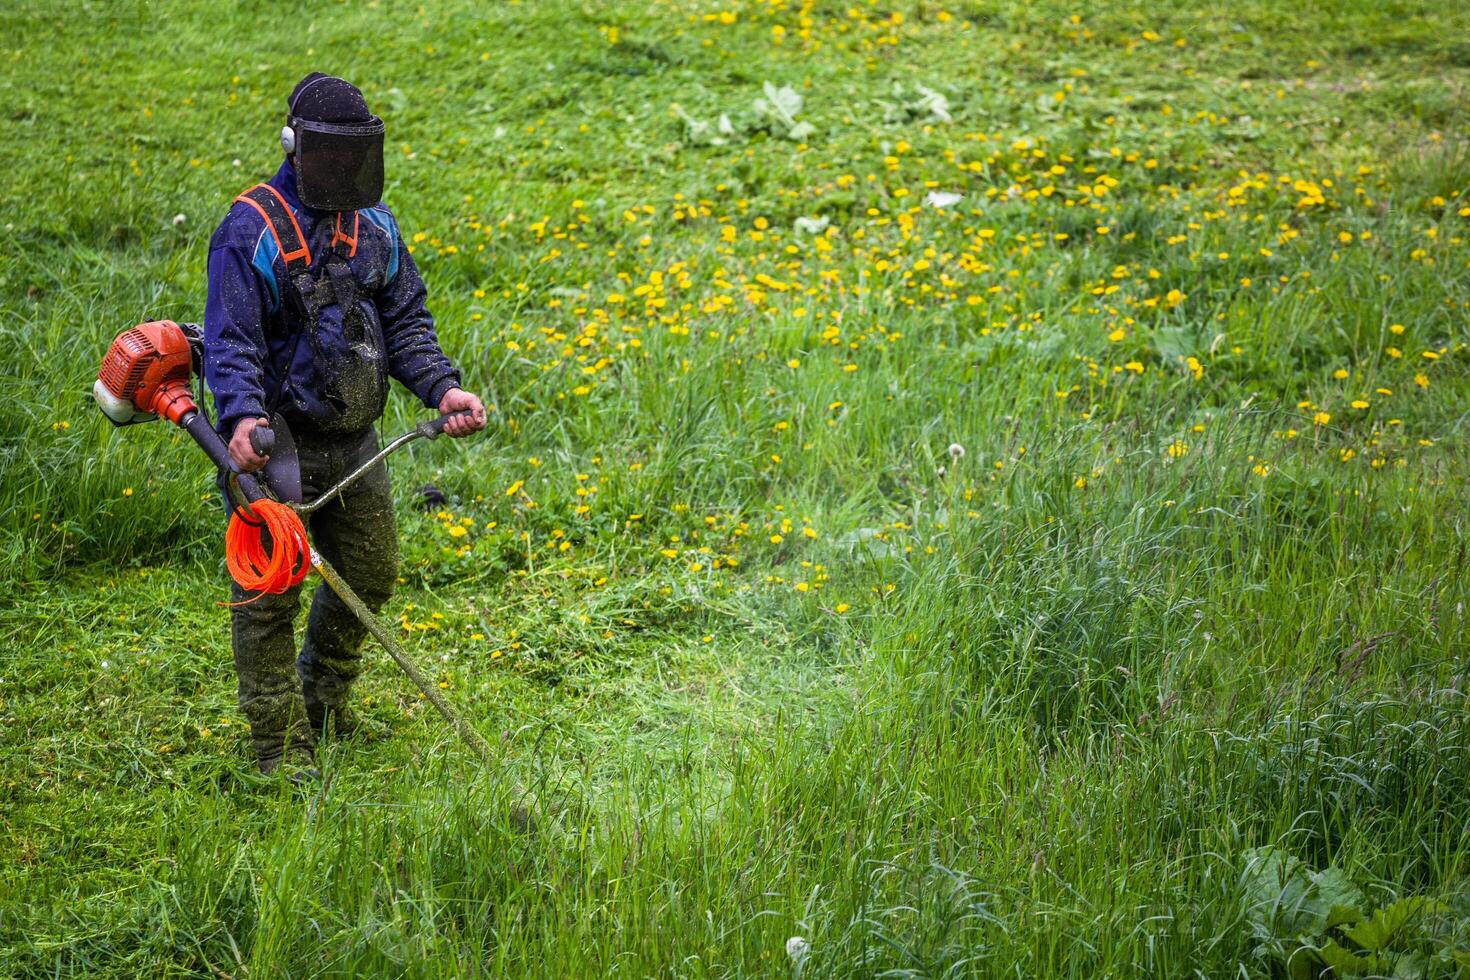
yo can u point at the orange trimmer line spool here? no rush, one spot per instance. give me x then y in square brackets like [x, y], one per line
[269, 554]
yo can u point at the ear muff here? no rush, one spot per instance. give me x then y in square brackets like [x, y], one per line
[288, 139]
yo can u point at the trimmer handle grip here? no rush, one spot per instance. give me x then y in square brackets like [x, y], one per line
[433, 428]
[262, 440]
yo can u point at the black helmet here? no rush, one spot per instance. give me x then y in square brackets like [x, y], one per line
[337, 143]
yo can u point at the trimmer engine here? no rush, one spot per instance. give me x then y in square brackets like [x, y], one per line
[146, 374]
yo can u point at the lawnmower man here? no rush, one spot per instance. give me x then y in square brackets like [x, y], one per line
[314, 303]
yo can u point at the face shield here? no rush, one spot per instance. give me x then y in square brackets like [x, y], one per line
[339, 166]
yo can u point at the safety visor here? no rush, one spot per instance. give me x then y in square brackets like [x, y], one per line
[339, 166]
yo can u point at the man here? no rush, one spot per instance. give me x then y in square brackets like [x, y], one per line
[314, 303]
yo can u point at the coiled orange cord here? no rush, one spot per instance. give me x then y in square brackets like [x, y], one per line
[251, 566]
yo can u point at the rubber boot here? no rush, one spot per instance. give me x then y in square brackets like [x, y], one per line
[290, 750]
[326, 707]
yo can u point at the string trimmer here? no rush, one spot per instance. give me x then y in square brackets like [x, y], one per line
[146, 374]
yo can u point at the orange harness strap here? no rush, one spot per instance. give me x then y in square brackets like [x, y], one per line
[283, 225]
[339, 236]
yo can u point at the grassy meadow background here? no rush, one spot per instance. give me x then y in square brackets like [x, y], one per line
[979, 487]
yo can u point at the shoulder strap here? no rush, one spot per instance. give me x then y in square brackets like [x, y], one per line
[282, 222]
[338, 235]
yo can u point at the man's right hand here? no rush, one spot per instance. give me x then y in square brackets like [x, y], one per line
[242, 454]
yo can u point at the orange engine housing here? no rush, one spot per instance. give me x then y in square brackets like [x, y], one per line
[149, 368]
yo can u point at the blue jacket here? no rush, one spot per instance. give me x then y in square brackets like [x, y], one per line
[254, 357]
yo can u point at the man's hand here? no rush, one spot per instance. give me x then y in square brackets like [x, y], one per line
[459, 400]
[242, 454]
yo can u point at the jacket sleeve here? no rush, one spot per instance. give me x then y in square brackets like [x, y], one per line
[415, 358]
[234, 337]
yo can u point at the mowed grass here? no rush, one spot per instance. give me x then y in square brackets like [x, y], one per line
[965, 585]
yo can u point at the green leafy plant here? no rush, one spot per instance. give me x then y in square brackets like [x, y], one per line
[702, 133]
[916, 102]
[1320, 923]
[774, 112]
[778, 110]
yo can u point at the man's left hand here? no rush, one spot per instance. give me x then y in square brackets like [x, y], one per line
[459, 400]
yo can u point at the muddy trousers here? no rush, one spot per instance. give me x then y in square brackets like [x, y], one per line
[357, 534]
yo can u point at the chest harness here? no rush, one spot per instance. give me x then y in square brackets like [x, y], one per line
[325, 299]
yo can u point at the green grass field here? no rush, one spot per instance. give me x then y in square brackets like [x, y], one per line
[977, 487]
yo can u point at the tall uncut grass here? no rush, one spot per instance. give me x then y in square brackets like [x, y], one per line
[854, 581]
